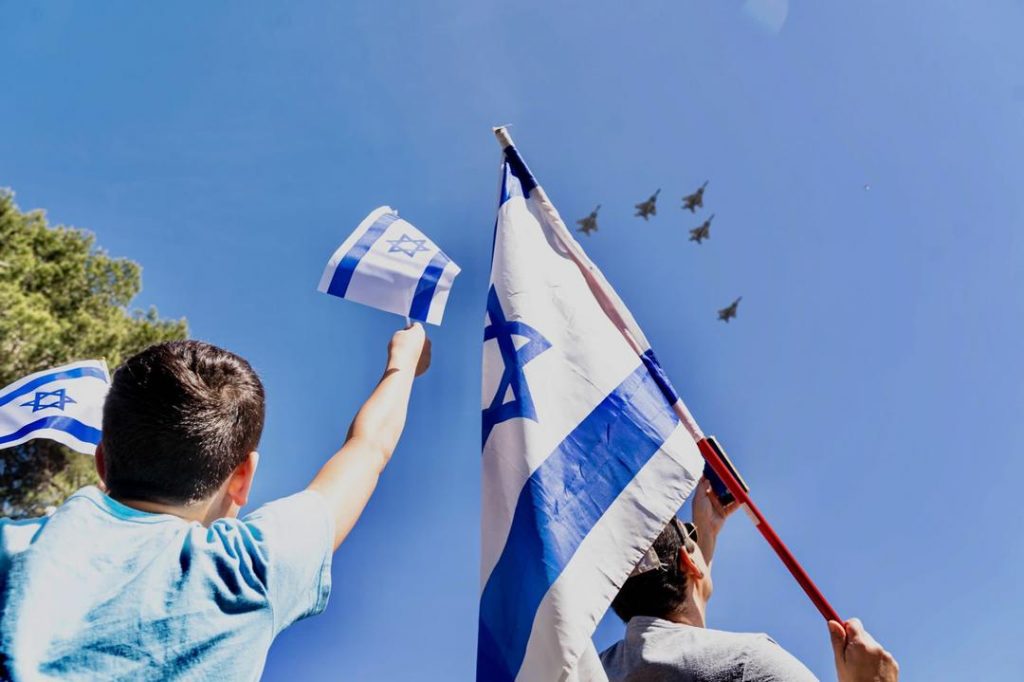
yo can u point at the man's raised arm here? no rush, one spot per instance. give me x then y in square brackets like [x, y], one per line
[350, 476]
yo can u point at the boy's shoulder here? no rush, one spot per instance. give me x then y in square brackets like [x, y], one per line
[16, 535]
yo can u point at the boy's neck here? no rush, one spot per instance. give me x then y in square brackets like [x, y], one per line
[205, 511]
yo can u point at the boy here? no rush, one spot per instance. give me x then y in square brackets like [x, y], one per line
[158, 578]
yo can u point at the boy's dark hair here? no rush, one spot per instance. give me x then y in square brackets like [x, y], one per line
[179, 417]
[657, 593]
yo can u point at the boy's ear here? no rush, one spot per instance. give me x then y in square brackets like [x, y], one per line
[688, 566]
[240, 482]
[101, 462]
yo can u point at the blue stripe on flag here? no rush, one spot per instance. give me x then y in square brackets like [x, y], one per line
[654, 367]
[510, 186]
[520, 170]
[347, 266]
[82, 432]
[559, 505]
[75, 373]
[421, 300]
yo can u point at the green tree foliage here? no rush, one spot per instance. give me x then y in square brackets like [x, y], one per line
[61, 299]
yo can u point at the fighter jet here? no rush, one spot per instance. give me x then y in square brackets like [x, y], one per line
[649, 207]
[696, 200]
[699, 234]
[589, 224]
[729, 312]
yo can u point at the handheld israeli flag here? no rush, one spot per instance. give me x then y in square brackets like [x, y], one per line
[584, 458]
[64, 404]
[387, 263]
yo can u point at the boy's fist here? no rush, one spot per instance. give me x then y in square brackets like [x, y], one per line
[410, 349]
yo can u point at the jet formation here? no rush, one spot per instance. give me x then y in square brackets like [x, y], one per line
[648, 208]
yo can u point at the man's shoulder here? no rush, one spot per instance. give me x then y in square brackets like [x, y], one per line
[610, 655]
[654, 648]
[762, 658]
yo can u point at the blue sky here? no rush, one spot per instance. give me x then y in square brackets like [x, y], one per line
[870, 390]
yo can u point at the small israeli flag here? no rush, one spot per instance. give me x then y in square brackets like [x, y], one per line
[64, 404]
[388, 264]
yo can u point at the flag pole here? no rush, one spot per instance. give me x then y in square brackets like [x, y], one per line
[707, 445]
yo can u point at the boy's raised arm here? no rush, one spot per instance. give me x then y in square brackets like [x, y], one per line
[350, 476]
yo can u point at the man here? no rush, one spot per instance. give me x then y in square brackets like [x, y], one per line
[157, 578]
[664, 603]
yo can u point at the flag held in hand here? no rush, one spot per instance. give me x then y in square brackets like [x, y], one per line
[387, 263]
[64, 404]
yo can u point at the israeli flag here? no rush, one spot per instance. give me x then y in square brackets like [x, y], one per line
[584, 458]
[64, 404]
[387, 263]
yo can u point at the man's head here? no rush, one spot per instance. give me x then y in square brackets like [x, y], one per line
[662, 587]
[180, 419]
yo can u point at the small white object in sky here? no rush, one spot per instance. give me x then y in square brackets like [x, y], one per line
[867, 188]
[769, 14]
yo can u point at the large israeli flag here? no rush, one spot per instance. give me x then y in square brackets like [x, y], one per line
[584, 459]
[387, 263]
[64, 404]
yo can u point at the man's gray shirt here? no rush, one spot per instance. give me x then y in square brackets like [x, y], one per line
[656, 650]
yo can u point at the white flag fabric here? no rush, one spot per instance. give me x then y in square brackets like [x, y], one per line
[584, 459]
[389, 264]
[64, 404]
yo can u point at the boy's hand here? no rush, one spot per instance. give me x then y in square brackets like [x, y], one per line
[859, 658]
[410, 349]
[348, 479]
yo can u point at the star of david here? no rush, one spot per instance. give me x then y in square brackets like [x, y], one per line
[399, 245]
[514, 360]
[60, 396]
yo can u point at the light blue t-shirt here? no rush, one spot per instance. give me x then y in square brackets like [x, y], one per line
[100, 591]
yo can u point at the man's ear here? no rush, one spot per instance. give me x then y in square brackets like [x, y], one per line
[101, 462]
[240, 481]
[688, 566]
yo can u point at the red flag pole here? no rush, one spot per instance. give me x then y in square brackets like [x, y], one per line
[710, 450]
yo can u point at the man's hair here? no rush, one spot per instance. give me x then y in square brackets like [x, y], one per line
[657, 593]
[178, 419]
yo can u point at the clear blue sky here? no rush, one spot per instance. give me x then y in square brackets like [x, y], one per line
[871, 389]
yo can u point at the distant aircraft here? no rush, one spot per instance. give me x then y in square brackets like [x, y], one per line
[729, 312]
[699, 234]
[694, 201]
[589, 224]
[649, 207]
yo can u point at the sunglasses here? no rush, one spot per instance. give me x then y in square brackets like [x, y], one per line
[650, 561]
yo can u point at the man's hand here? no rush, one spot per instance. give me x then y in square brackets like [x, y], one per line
[709, 516]
[409, 349]
[859, 658]
[708, 513]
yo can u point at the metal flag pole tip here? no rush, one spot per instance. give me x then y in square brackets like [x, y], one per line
[501, 132]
